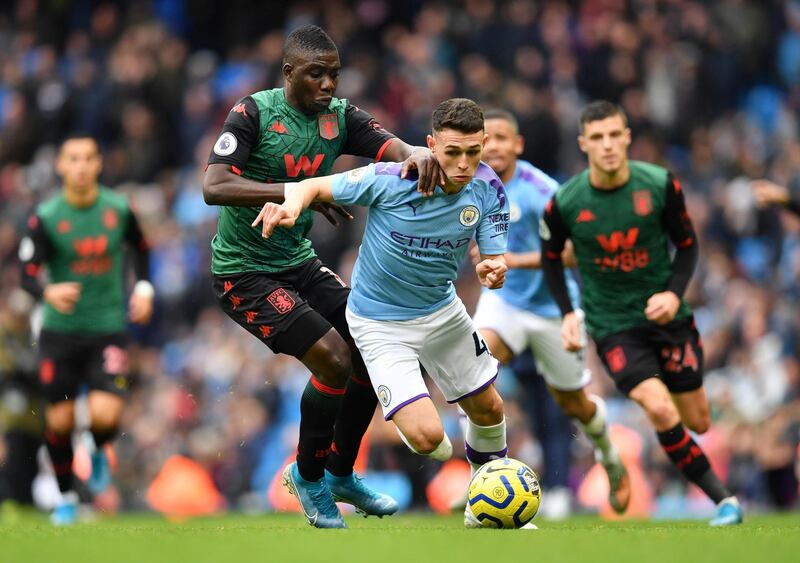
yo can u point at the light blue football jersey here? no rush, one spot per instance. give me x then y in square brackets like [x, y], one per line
[412, 246]
[528, 192]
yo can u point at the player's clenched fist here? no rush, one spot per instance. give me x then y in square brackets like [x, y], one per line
[273, 215]
[491, 273]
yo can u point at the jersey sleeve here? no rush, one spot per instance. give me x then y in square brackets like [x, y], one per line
[492, 231]
[554, 234]
[239, 135]
[365, 136]
[34, 250]
[135, 239]
[681, 232]
[360, 186]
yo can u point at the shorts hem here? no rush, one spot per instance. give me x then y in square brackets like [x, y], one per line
[476, 391]
[391, 413]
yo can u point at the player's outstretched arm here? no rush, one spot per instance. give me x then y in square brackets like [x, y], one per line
[222, 186]
[492, 270]
[299, 196]
[769, 193]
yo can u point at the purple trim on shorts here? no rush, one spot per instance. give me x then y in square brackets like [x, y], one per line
[474, 456]
[478, 390]
[404, 403]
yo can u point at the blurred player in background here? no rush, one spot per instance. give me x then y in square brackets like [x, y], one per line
[79, 236]
[277, 289]
[770, 193]
[20, 400]
[404, 310]
[523, 313]
[620, 215]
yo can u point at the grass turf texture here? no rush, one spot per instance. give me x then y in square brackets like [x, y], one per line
[401, 539]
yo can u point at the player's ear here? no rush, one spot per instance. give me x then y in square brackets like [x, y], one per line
[519, 144]
[287, 71]
[627, 137]
[431, 143]
[485, 138]
[582, 143]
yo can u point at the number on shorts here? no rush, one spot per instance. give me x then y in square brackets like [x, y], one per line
[334, 274]
[480, 345]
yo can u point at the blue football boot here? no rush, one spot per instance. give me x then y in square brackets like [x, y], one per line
[729, 513]
[315, 499]
[66, 512]
[352, 490]
[100, 479]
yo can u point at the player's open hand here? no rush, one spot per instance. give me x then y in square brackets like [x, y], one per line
[572, 332]
[662, 307]
[273, 215]
[491, 273]
[63, 296]
[327, 210]
[767, 193]
[430, 173]
[140, 308]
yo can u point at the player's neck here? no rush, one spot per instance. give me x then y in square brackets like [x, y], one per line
[81, 197]
[509, 172]
[609, 180]
[451, 188]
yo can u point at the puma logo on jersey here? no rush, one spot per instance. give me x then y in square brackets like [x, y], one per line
[585, 216]
[278, 127]
[413, 207]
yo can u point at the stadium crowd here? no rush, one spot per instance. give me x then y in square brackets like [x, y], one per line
[711, 90]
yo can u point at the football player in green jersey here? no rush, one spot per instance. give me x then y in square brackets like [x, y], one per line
[277, 289]
[620, 215]
[78, 236]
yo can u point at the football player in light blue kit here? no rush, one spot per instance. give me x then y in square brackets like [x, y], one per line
[403, 309]
[524, 314]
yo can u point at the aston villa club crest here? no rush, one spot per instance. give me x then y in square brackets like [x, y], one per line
[328, 126]
[642, 203]
[110, 219]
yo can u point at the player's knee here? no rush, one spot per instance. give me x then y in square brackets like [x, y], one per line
[104, 421]
[61, 418]
[699, 424]
[661, 412]
[334, 362]
[489, 411]
[425, 439]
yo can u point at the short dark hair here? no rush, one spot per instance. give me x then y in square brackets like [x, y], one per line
[73, 135]
[505, 115]
[599, 110]
[460, 114]
[307, 39]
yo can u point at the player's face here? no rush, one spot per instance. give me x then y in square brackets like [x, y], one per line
[503, 145]
[311, 81]
[79, 163]
[458, 154]
[606, 143]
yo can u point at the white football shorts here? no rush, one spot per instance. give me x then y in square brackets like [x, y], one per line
[520, 329]
[447, 345]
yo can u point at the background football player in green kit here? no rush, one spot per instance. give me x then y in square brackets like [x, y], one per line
[78, 236]
[620, 215]
[277, 288]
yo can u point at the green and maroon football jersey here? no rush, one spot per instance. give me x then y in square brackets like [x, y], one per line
[84, 245]
[267, 140]
[620, 237]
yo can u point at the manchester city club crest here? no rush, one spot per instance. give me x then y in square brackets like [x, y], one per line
[469, 215]
[384, 395]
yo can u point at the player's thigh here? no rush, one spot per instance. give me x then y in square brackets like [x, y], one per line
[59, 416]
[493, 315]
[455, 355]
[62, 366]
[420, 424]
[629, 358]
[326, 293]
[561, 369]
[390, 352]
[680, 355]
[107, 364]
[653, 396]
[270, 308]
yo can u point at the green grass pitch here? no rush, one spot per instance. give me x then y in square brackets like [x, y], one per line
[401, 539]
